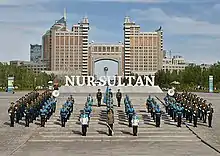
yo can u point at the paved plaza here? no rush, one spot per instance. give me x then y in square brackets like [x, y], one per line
[168, 140]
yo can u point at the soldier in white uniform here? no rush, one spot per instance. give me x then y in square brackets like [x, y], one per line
[135, 124]
[84, 119]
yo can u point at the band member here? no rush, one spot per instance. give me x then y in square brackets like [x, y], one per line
[158, 115]
[179, 111]
[11, 114]
[204, 110]
[43, 113]
[99, 97]
[110, 121]
[84, 122]
[148, 103]
[130, 114]
[195, 116]
[135, 124]
[63, 115]
[17, 112]
[27, 115]
[210, 114]
[119, 96]
[190, 113]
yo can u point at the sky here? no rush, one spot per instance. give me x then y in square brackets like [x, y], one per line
[191, 27]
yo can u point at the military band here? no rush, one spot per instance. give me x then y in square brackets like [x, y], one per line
[190, 107]
[185, 107]
[29, 107]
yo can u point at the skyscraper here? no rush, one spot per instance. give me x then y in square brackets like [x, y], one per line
[35, 53]
[67, 49]
[143, 51]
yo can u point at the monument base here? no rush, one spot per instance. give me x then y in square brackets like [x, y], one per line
[124, 89]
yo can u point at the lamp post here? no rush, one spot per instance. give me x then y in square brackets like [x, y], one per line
[106, 73]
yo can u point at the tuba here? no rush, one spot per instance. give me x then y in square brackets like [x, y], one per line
[55, 93]
[171, 92]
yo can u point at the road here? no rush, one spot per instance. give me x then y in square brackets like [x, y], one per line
[168, 140]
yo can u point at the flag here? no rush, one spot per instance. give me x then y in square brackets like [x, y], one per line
[106, 95]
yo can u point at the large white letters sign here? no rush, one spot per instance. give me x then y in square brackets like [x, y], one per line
[110, 80]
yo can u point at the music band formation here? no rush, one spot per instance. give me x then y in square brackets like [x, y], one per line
[181, 107]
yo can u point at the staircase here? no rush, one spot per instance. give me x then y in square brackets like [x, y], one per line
[98, 131]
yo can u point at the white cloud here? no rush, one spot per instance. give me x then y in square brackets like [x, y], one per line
[176, 25]
[99, 35]
[22, 26]
[195, 49]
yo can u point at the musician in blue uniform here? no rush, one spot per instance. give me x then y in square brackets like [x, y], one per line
[148, 103]
[179, 111]
[63, 115]
[158, 115]
[43, 113]
[130, 114]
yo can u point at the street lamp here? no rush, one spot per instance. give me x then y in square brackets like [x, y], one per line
[106, 72]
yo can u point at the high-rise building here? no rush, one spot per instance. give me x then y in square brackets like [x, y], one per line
[143, 51]
[69, 50]
[65, 49]
[35, 52]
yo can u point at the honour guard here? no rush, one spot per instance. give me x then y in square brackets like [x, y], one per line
[99, 97]
[195, 116]
[135, 124]
[63, 115]
[17, 113]
[11, 114]
[210, 114]
[43, 113]
[158, 115]
[27, 115]
[84, 119]
[119, 96]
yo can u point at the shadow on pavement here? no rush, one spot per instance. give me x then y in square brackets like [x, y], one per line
[77, 132]
[102, 132]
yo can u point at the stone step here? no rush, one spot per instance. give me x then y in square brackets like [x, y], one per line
[117, 132]
[140, 129]
[125, 138]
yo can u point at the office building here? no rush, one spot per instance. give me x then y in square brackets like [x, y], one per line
[35, 53]
[69, 50]
[36, 67]
[143, 50]
[174, 63]
[65, 49]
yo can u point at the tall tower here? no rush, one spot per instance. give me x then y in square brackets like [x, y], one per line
[127, 51]
[85, 55]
